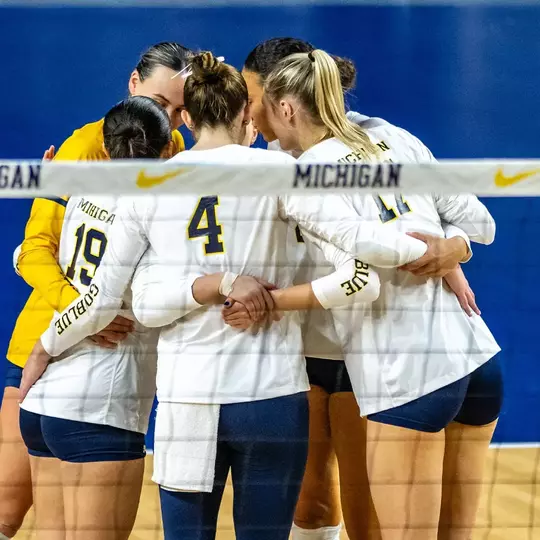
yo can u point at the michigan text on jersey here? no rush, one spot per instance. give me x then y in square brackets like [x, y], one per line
[352, 175]
[94, 211]
[19, 176]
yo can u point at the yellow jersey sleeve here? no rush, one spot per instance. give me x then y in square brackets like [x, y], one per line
[37, 263]
[178, 140]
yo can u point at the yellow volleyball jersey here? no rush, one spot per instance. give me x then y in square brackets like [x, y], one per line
[38, 260]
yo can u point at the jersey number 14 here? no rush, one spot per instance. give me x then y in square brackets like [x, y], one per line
[387, 213]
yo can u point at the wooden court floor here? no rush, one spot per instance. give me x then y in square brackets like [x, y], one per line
[510, 507]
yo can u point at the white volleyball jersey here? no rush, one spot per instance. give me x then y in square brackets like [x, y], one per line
[414, 338]
[200, 359]
[320, 338]
[88, 383]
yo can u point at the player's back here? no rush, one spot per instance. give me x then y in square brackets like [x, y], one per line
[200, 359]
[416, 329]
[90, 383]
[319, 333]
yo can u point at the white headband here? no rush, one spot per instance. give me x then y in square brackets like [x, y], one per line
[188, 71]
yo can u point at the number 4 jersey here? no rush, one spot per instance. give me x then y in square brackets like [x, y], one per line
[89, 383]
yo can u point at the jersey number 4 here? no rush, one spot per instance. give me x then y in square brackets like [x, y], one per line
[92, 238]
[387, 213]
[204, 223]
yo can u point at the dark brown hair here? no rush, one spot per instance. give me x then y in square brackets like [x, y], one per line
[136, 128]
[215, 93]
[265, 56]
[167, 54]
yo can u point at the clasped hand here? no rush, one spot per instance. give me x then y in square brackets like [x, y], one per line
[250, 302]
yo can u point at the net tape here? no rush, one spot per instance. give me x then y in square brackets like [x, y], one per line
[482, 177]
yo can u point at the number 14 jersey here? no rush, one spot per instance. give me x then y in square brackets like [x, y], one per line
[415, 338]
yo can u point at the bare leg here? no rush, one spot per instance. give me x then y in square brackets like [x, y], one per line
[15, 475]
[318, 505]
[464, 460]
[405, 473]
[48, 498]
[349, 439]
[101, 499]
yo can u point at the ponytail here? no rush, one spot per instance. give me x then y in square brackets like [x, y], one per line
[315, 80]
[330, 103]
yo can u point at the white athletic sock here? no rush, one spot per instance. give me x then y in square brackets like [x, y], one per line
[3, 537]
[324, 533]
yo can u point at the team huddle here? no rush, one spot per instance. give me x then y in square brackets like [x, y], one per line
[296, 342]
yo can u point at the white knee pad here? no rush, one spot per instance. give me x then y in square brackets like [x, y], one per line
[324, 533]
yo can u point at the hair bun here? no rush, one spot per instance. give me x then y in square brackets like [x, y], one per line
[206, 68]
[129, 131]
[347, 72]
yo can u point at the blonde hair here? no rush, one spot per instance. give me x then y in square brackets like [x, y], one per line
[314, 79]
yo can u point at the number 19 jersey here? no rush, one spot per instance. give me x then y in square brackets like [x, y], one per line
[88, 383]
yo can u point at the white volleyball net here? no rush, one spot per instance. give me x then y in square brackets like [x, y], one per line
[511, 178]
[503, 276]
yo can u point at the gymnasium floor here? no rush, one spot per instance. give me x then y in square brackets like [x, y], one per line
[510, 508]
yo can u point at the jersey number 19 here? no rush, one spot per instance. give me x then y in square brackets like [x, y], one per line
[90, 256]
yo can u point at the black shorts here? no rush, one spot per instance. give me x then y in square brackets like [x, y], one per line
[474, 400]
[330, 375]
[78, 442]
[13, 375]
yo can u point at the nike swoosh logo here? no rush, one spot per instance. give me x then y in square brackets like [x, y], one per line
[145, 181]
[501, 180]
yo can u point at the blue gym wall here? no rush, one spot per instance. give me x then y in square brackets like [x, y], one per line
[464, 79]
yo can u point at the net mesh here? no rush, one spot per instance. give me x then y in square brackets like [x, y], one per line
[502, 276]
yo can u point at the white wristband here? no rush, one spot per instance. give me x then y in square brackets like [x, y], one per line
[227, 282]
[16, 254]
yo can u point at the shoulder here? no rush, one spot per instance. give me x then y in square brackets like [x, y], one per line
[326, 151]
[396, 137]
[402, 142]
[56, 205]
[268, 156]
[85, 143]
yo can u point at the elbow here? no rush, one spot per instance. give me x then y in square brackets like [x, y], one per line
[372, 289]
[485, 235]
[16, 256]
[22, 264]
[490, 234]
[154, 315]
[357, 283]
[148, 316]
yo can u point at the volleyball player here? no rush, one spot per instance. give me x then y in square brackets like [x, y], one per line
[38, 266]
[411, 390]
[336, 427]
[88, 415]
